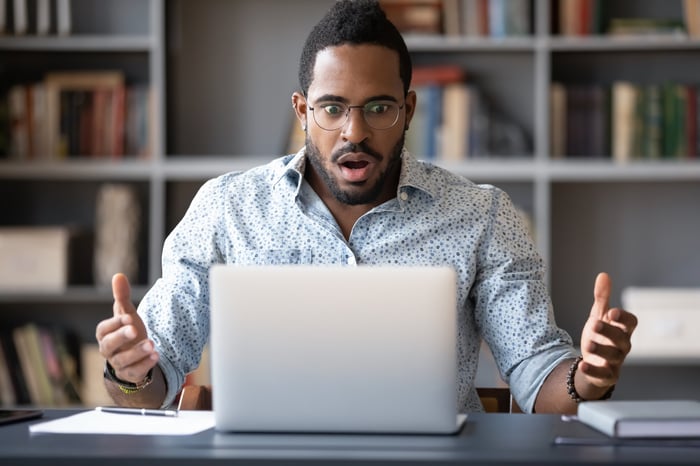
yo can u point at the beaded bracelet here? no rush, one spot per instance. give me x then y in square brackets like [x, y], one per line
[571, 388]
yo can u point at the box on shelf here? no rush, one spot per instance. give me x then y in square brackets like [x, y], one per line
[668, 323]
[41, 259]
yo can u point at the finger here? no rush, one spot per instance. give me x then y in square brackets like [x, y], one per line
[602, 376]
[144, 349]
[623, 319]
[119, 340]
[121, 290]
[603, 354]
[137, 370]
[107, 326]
[601, 296]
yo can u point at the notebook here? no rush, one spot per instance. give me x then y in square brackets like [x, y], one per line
[643, 419]
[334, 349]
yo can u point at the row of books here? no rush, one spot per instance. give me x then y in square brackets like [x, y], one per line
[76, 114]
[454, 119]
[493, 18]
[625, 121]
[507, 18]
[592, 17]
[39, 17]
[38, 366]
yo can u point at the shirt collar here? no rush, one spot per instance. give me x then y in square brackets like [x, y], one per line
[414, 173]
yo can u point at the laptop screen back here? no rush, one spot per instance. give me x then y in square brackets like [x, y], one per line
[333, 349]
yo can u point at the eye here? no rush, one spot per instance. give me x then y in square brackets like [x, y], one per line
[376, 108]
[333, 109]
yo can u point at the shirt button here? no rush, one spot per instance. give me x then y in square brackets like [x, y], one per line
[404, 196]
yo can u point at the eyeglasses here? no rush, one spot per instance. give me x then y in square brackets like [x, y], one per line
[379, 114]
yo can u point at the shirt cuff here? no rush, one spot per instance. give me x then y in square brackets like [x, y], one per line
[527, 378]
[173, 381]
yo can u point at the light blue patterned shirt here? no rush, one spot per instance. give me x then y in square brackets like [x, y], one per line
[270, 215]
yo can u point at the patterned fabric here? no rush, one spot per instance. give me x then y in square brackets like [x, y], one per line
[270, 215]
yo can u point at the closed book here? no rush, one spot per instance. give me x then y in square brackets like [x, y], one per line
[643, 418]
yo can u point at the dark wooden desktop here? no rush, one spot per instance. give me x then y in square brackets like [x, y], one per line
[487, 439]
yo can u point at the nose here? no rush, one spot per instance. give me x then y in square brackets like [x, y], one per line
[355, 128]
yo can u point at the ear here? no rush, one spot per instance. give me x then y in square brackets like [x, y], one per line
[300, 108]
[410, 107]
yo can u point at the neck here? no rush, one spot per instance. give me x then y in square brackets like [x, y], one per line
[347, 214]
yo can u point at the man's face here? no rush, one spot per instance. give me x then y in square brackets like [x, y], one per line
[356, 163]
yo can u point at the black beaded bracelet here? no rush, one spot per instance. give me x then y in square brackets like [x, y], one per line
[571, 388]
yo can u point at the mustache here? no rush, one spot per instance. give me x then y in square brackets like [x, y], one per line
[355, 147]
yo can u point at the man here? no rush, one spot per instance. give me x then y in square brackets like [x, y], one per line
[354, 195]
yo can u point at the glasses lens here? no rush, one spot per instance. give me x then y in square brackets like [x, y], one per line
[330, 115]
[381, 115]
[378, 114]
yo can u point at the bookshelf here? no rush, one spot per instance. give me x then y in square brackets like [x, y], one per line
[223, 84]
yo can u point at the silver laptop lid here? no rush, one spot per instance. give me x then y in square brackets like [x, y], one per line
[333, 349]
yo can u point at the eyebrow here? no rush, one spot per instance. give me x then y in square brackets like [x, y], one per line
[337, 98]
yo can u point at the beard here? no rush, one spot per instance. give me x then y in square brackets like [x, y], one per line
[355, 196]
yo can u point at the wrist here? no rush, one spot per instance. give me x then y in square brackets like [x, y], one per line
[580, 390]
[124, 386]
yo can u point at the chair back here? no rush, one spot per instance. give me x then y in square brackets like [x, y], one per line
[494, 400]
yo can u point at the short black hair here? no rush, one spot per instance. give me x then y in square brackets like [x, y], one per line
[353, 22]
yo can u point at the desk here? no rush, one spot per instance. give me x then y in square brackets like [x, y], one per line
[487, 439]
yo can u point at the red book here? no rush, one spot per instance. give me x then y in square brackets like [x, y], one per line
[439, 74]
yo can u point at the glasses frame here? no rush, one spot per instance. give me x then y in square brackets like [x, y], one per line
[364, 114]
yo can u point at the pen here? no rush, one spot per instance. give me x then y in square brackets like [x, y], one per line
[138, 411]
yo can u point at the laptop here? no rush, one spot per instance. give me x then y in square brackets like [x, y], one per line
[334, 349]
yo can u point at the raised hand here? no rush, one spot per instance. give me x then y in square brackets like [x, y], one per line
[605, 340]
[122, 339]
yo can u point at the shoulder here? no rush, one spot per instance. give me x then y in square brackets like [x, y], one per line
[260, 177]
[455, 189]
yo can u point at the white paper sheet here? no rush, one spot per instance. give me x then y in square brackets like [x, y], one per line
[97, 422]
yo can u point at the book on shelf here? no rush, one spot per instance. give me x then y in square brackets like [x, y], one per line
[296, 136]
[454, 18]
[43, 17]
[64, 18]
[414, 16]
[580, 122]
[43, 371]
[498, 18]
[642, 418]
[691, 17]
[7, 391]
[579, 17]
[20, 17]
[475, 18]
[645, 26]
[627, 121]
[558, 118]
[19, 384]
[454, 120]
[25, 17]
[69, 97]
[3, 16]
[92, 389]
[508, 18]
[451, 18]
[78, 114]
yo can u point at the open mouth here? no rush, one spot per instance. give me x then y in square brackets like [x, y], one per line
[356, 171]
[358, 165]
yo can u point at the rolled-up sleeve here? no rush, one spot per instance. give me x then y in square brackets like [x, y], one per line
[513, 310]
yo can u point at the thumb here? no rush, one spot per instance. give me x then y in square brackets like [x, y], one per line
[601, 296]
[121, 290]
